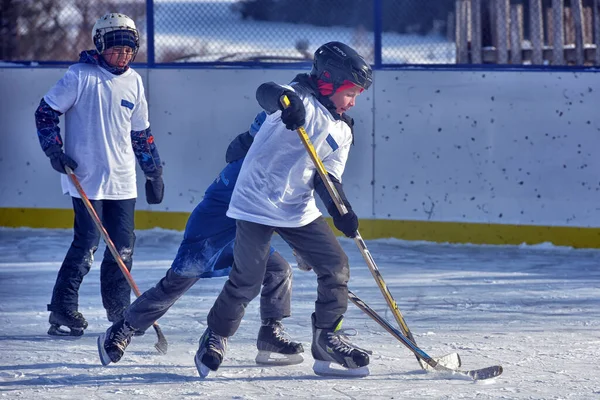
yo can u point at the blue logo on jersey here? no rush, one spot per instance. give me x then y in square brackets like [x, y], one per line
[127, 104]
[332, 142]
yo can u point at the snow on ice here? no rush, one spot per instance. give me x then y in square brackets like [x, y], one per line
[532, 309]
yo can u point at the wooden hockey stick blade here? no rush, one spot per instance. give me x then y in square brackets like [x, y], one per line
[161, 346]
[450, 360]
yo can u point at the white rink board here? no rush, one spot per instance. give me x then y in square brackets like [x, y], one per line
[26, 178]
[495, 147]
[464, 146]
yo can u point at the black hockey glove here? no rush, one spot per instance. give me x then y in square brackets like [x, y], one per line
[347, 223]
[59, 159]
[294, 116]
[155, 188]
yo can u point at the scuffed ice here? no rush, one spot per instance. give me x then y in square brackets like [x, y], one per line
[533, 310]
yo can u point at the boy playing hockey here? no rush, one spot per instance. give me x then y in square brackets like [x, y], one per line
[275, 193]
[207, 251]
[106, 130]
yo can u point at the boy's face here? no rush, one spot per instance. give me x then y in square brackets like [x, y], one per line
[118, 56]
[345, 99]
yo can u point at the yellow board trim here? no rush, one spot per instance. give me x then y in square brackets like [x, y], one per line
[442, 232]
[63, 218]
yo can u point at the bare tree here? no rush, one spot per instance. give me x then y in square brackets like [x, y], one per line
[56, 30]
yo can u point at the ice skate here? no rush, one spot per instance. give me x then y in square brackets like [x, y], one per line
[275, 347]
[335, 355]
[116, 316]
[112, 343]
[210, 352]
[73, 320]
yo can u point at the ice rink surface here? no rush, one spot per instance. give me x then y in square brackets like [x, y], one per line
[535, 310]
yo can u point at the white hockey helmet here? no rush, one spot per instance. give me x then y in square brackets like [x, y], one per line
[115, 29]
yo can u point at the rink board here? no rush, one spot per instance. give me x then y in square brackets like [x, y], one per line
[498, 157]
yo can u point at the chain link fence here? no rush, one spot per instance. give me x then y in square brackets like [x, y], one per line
[386, 32]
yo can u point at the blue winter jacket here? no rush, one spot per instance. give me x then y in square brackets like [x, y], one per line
[207, 246]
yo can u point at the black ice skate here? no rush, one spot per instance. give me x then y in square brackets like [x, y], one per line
[68, 318]
[112, 343]
[333, 346]
[275, 347]
[116, 316]
[210, 352]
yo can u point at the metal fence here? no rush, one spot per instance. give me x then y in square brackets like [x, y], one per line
[386, 32]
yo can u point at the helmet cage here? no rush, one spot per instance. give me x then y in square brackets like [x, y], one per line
[116, 30]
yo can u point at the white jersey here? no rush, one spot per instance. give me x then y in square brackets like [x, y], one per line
[275, 185]
[101, 111]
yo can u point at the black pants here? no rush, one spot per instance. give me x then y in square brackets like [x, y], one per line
[314, 242]
[117, 216]
[155, 302]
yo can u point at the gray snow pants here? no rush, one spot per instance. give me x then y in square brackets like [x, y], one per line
[315, 243]
[155, 302]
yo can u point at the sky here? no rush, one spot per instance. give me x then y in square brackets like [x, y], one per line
[532, 309]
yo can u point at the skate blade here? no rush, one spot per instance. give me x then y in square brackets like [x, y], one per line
[104, 357]
[451, 361]
[326, 368]
[271, 358]
[203, 370]
[56, 330]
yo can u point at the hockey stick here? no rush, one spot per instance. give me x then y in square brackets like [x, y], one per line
[436, 365]
[357, 239]
[162, 345]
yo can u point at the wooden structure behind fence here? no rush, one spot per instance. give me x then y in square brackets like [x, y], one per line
[557, 34]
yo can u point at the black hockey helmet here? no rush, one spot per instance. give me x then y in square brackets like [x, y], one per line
[336, 62]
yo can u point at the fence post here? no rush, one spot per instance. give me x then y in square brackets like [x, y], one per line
[535, 27]
[377, 27]
[516, 33]
[150, 32]
[502, 7]
[462, 26]
[577, 9]
[476, 51]
[558, 54]
[588, 26]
